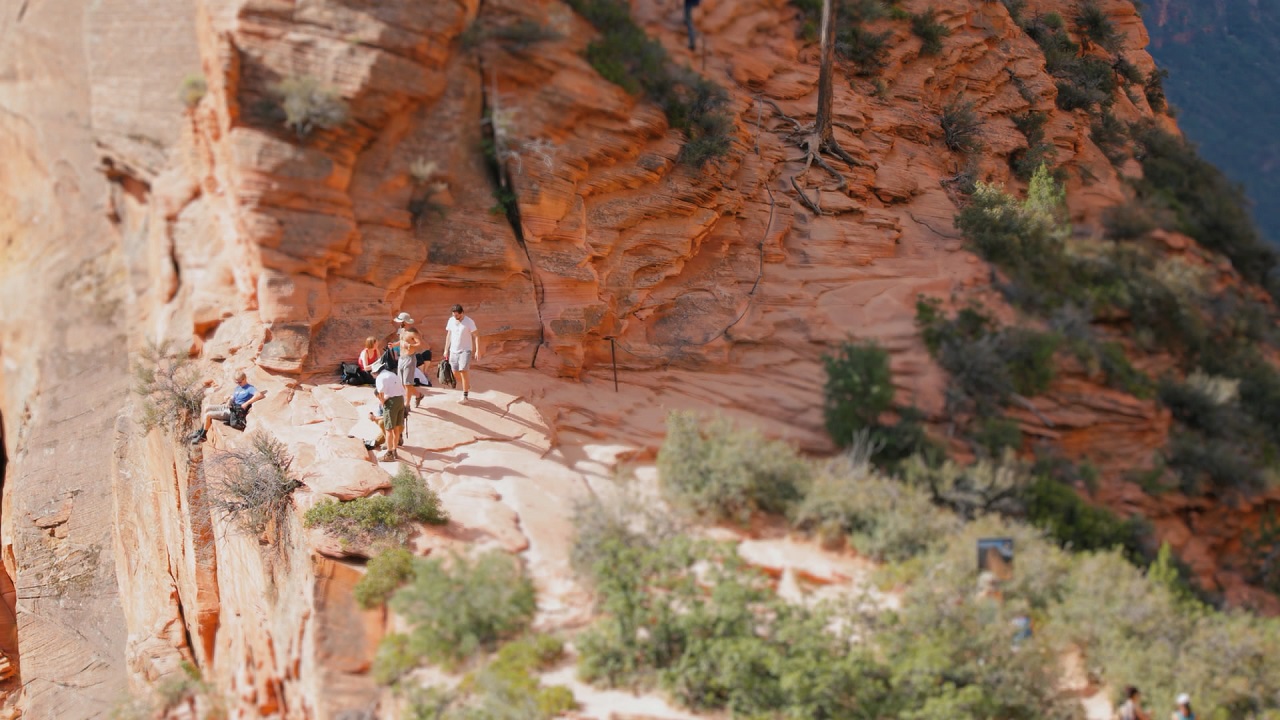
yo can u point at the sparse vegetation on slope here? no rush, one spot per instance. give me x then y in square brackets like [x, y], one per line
[627, 57]
[380, 518]
[253, 486]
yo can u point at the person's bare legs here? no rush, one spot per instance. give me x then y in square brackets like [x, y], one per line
[464, 379]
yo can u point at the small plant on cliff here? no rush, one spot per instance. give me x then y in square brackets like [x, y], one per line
[925, 25]
[308, 105]
[457, 609]
[507, 688]
[961, 128]
[170, 388]
[386, 572]
[192, 90]
[627, 57]
[1092, 23]
[725, 473]
[380, 517]
[859, 389]
[252, 487]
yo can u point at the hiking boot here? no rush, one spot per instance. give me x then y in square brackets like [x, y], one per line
[197, 437]
[464, 396]
[417, 401]
[388, 456]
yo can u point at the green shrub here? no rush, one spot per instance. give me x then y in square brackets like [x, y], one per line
[307, 105]
[169, 385]
[387, 571]
[253, 487]
[882, 518]
[961, 128]
[724, 473]
[1129, 221]
[1208, 206]
[380, 517]
[925, 26]
[523, 34]
[627, 57]
[970, 491]
[853, 43]
[1083, 81]
[859, 389]
[1092, 22]
[1109, 134]
[1153, 88]
[1077, 525]
[459, 608]
[505, 688]
[998, 434]
[192, 90]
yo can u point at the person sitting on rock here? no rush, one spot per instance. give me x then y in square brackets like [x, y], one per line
[237, 406]
[369, 355]
[390, 392]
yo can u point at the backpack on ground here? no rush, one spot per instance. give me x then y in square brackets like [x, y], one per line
[444, 373]
[352, 374]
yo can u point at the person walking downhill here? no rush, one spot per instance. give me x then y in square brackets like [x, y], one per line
[462, 342]
[1131, 709]
[390, 392]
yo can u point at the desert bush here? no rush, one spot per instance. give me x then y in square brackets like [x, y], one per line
[308, 105]
[523, 34]
[1110, 135]
[859, 389]
[970, 491]
[252, 487]
[386, 572]
[457, 609]
[169, 385]
[854, 43]
[1092, 23]
[997, 434]
[192, 90]
[1026, 161]
[1153, 88]
[925, 26]
[1083, 81]
[380, 518]
[1208, 206]
[881, 518]
[988, 364]
[627, 57]
[725, 473]
[1128, 221]
[961, 128]
[1075, 524]
[505, 688]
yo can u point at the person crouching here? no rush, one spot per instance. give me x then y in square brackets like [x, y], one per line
[390, 393]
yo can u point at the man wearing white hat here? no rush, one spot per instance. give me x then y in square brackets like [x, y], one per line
[1183, 711]
[408, 343]
[390, 392]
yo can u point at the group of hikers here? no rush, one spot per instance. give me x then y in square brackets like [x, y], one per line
[395, 371]
[398, 377]
[1131, 708]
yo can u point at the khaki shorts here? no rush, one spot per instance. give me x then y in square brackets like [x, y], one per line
[460, 361]
[393, 413]
[220, 412]
[405, 368]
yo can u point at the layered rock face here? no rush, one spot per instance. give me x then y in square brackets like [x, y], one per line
[128, 217]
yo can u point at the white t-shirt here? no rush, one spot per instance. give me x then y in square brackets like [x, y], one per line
[460, 333]
[388, 383]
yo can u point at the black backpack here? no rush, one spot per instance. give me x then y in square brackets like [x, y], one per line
[351, 374]
[239, 416]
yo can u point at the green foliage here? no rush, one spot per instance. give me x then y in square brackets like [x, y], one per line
[988, 364]
[1208, 206]
[1262, 552]
[1092, 23]
[522, 34]
[169, 385]
[192, 90]
[1083, 81]
[380, 518]
[858, 391]
[1128, 221]
[882, 518]
[1153, 88]
[1075, 524]
[961, 128]
[456, 609]
[1109, 134]
[253, 487]
[627, 57]
[724, 473]
[308, 105]
[1038, 152]
[387, 571]
[854, 43]
[505, 689]
[996, 435]
[925, 26]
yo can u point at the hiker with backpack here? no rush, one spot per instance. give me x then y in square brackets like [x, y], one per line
[234, 411]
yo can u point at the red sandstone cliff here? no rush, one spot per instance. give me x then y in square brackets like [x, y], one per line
[126, 217]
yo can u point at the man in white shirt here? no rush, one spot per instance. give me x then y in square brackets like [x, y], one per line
[462, 342]
[390, 392]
